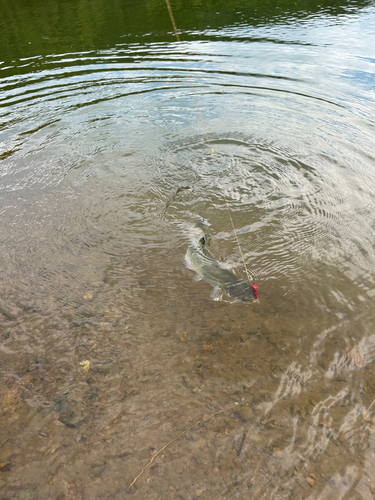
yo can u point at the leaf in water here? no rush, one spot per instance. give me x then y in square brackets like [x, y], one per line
[366, 417]
[85, 365]
[357, 359]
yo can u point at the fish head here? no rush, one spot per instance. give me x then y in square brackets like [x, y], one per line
[242, 292]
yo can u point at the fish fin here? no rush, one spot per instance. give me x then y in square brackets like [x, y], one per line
[217, 293]
[187, 265]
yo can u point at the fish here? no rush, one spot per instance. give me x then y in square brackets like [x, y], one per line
[223, 280]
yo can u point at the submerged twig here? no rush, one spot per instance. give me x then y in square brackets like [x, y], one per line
[175, 439]
[241, 444]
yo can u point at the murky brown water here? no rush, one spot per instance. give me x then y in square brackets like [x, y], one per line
[109, 349]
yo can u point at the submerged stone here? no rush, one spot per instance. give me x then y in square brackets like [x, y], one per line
[244, 412]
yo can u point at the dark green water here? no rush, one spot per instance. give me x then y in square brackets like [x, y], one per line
[108, 347]
[31, 28]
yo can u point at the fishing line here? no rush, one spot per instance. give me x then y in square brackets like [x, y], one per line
[189, 76]
[238, 243]
[207, 140]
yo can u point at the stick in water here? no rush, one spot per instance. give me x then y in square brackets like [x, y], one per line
[175, 439]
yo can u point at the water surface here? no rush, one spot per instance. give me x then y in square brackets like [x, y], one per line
[105, 169]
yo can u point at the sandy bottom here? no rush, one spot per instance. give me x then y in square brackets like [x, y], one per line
[263, 401]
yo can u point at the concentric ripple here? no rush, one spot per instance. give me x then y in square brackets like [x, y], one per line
[120, 134]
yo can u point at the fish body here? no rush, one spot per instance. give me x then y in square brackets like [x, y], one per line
[198, 259]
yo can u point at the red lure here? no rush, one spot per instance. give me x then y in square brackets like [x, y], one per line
[255, 290]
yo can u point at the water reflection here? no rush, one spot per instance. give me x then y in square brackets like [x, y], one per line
[31, 29]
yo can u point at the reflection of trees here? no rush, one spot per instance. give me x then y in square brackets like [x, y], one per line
[40, 28]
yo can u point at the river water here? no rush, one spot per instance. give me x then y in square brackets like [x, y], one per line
[109, 349]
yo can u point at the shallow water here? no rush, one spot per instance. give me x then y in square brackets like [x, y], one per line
[105, 169]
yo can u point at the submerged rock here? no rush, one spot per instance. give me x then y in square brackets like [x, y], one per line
[70, 413]
[71, 419]
[90, 394]
[244, 412]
